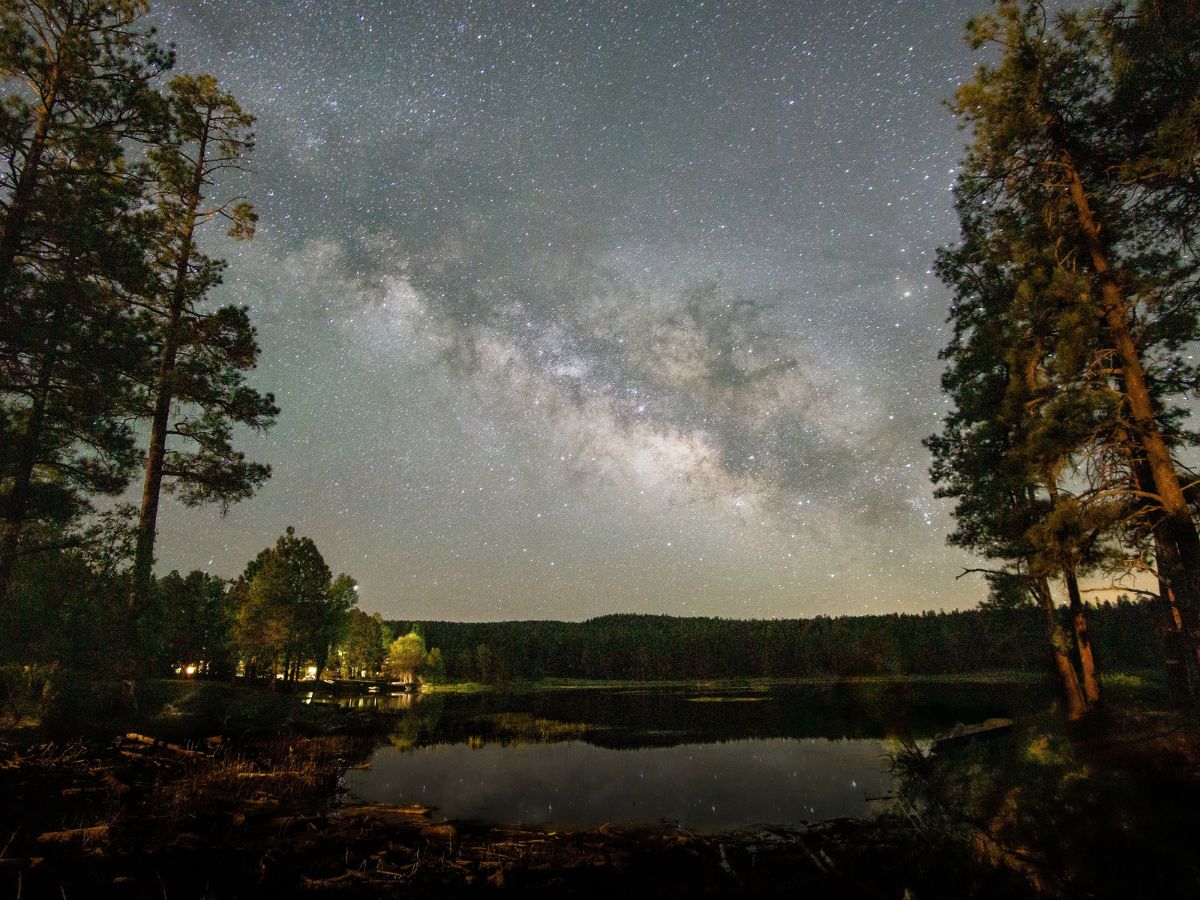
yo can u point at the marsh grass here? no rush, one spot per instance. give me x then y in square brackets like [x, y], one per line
[267, 775]
[512, 729]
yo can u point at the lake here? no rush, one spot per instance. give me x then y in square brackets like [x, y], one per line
[706, 759]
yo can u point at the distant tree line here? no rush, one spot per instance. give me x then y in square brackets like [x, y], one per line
[1126, 637]
[287, 618]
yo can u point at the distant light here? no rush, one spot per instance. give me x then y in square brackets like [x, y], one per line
[189, 670]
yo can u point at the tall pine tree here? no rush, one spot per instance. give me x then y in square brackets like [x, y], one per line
[197, 390]
[985, 457]
[1084, 139]
[73, 237]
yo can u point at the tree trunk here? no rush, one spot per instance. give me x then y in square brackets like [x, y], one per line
[1178, 527]
[1059, 644]
[1175, 651]
[143, 564]
[12, 229]
[1083, 640]
[18, 498]
[1180, 655]
[1083, 643]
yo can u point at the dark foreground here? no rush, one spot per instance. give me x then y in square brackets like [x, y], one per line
[1110, 808]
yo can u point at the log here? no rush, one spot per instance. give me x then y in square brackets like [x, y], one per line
[960, 733]
[183, 751]
[147, 741]
[22, 862]
[74, 836]
[384, 810]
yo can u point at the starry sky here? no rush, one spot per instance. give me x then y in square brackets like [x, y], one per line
[574, 308]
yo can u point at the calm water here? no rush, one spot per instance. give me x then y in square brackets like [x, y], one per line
[702, 786]
[707, 760]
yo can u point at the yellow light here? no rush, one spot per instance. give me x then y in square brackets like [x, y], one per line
[189, 670]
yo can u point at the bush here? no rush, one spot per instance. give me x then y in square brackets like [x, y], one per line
[22, 693]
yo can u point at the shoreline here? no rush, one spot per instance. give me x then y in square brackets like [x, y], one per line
[176, 810]
[265, 814]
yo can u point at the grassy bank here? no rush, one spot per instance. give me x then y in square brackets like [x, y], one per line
[64, 705]
[1139, 681]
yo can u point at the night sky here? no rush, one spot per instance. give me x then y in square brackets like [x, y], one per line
[579, 308]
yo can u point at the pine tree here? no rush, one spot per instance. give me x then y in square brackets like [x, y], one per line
[199, 356]
[79, 74]
[981, 456]
[72, 242]
[291, 611]
[1085, 152]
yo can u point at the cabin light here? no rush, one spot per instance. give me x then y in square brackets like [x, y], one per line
[312, 671]
[189, 670]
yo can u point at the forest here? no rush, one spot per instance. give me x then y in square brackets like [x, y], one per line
[659, 648]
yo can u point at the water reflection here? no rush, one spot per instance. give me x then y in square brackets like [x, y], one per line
[702, 786]
[677, 715]
[710, 759]
[398, 702]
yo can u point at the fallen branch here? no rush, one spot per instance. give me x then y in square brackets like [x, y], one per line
[74, 835]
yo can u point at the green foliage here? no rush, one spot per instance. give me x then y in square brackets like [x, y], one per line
[406, 657]
[196, 390]
[290, 611]
[1075, 287]
[661, 648]
[202, 355]
[195, 624]
[363, 647]
[76, 87]
[65, 612]
[1006, 591]
[484, 667]
[434, 666]
[107, 180]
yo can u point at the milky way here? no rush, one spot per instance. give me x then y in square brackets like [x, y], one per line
[575, 308]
